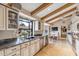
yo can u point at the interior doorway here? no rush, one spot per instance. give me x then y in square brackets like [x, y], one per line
[63, 32]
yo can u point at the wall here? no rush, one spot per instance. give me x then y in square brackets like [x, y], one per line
[7, 34]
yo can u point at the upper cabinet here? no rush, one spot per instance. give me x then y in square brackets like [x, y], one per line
[11, 19]
[8, 18]
[38, 25]
[2, 17]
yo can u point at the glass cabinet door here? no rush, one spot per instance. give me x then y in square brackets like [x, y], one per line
[12, 19]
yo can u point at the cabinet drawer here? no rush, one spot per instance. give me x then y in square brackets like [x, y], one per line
[1, 52]
[24, 45]
[12, 49]
[17, 53]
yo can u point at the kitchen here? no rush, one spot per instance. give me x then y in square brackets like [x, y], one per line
[17, 36]
[26, 29]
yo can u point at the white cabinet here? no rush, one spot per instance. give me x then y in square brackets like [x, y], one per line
[12, 51]
[8, 18]
[25, 49]
[11, 19]
[2, 17]
[32, 48]
[41, 43]
[44, 41]
[37, 47]
[1, 52]
[36, 26]
[16, 53]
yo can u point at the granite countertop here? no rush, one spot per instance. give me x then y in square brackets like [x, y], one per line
[7, 43]
[14, 41]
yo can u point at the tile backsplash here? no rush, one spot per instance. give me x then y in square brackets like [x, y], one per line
[7, 34]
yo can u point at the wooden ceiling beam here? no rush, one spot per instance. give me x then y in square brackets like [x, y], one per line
[53, 22]
[59, 20]
[68, 16]
[62, 14]
[58, 10]
[40, 8]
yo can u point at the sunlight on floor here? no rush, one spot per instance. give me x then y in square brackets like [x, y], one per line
[57, 48]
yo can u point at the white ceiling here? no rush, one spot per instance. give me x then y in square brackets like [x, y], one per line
[50, 9]
[60, 12]
[30, 6]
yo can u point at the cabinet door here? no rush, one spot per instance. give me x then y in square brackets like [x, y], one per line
[41, 44]
[32, 49]
[16, 53]
[25, 51]
[2, 17]
[35, 49]
[37, 46]
[44, 41]
[12, 49]
[11, 19]
[1, 52]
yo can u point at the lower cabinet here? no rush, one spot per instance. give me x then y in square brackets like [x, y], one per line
[41, 43]
[44, 41]
[1, 52]
[16, 53]
[37, 45]
[24, 52]
[25, 49]
[13, 51]
[32, 49]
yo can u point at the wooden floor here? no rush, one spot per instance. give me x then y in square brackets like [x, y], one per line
[57, 48]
